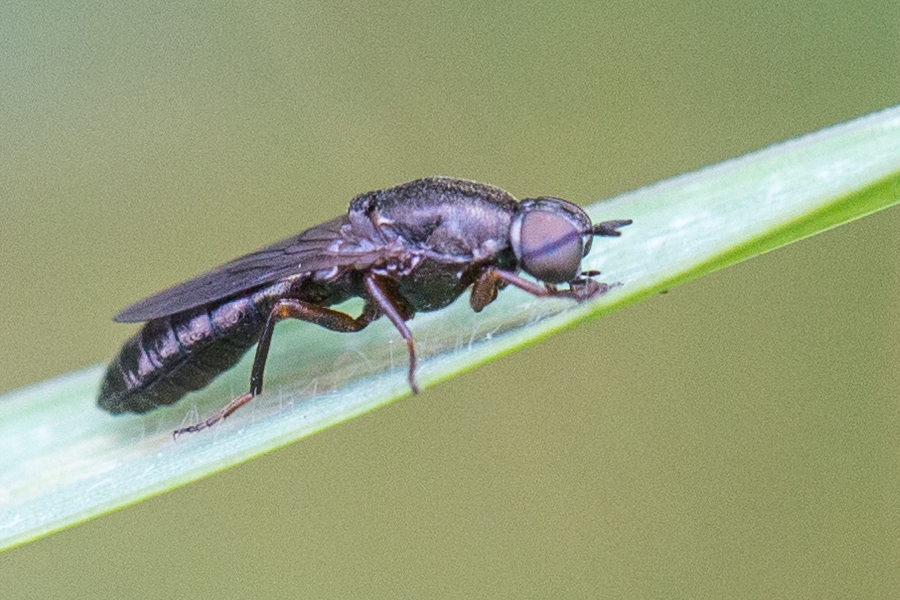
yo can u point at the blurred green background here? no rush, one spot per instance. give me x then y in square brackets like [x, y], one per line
[737, 437]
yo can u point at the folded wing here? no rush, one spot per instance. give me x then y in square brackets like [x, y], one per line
[301, 254]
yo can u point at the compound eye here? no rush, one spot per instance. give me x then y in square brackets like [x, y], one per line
[548, 246]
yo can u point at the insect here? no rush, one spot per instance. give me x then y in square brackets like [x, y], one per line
[411, 248]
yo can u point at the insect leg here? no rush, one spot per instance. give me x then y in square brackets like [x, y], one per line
[286, 308]
[395, 308]
[580, 290]
[484, 290]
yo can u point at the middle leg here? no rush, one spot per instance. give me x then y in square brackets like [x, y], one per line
[395, 307]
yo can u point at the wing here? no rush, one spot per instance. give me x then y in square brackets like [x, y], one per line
[297, 255]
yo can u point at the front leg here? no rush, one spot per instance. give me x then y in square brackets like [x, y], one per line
[484, 291]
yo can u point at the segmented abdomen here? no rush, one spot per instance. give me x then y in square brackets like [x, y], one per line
[174, 355]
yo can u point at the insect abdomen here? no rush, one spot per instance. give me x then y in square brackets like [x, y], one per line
[174, 355]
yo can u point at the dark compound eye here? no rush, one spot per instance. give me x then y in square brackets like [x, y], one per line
[549, 238]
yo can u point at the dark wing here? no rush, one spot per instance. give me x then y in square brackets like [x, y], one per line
[303, 253]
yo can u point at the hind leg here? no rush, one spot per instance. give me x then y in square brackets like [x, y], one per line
[286, 308]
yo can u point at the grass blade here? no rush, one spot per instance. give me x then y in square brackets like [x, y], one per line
[63, 461]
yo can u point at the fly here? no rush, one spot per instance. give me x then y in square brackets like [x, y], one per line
[411, 248]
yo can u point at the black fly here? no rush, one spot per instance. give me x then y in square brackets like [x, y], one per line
[412, 248]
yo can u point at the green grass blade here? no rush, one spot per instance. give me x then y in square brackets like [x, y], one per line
[62, 460]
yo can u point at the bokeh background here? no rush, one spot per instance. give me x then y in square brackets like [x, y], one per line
[737, 437]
